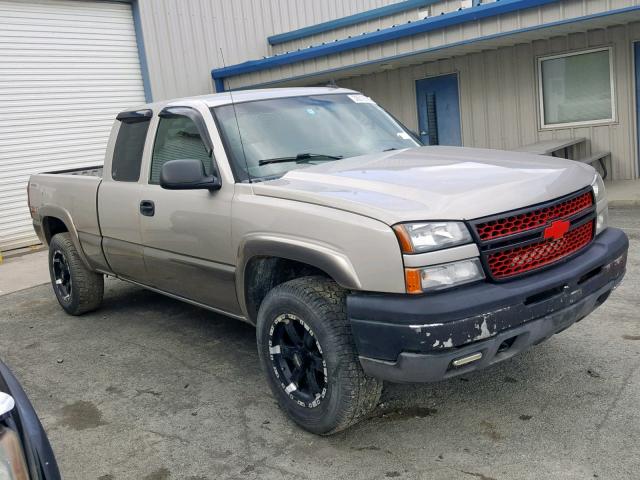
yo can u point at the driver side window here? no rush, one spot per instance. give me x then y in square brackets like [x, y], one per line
[177, 138]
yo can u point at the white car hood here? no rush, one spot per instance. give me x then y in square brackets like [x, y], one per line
[431, 183]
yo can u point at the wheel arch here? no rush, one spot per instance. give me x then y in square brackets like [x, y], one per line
[266, 261]
[52, 226]
[56, 220]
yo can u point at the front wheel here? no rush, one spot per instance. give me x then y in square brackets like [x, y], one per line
[307, 352]
[78, 289]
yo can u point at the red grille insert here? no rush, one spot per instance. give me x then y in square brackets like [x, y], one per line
[534, 219]
[522, 259]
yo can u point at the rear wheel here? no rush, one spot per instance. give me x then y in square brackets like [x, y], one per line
[78, 289]
[307, 352]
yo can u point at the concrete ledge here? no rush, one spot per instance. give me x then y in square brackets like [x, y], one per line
[623, 193]
[18, 252]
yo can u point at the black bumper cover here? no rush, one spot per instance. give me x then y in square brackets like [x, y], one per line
[406, 338]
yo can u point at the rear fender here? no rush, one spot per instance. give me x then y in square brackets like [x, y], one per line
[65, 217]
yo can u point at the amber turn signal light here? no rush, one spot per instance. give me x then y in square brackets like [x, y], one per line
[403, 238]
[412, 280]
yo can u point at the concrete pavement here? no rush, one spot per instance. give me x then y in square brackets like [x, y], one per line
[149, 388]
[23, 271]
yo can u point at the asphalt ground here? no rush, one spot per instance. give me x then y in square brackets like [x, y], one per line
[150, 388]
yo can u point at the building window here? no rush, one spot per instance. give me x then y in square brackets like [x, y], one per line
[576, 88]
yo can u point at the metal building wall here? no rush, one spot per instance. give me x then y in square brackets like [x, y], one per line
[183, 38]
[467, 33]
[499, 95]
[182, 45]
[368, 26]
[433, 10]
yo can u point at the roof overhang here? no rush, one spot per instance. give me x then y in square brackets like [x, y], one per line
[380, 36]
[597, 20]
[464, 48]
[366, 16]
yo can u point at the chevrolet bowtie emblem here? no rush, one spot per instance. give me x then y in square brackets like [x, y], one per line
[557, 229]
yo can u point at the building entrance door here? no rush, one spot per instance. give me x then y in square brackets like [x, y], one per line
[439, 110]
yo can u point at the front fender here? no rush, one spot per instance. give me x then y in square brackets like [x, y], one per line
[331, 261]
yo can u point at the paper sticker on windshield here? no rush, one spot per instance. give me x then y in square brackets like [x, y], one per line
[404, 135]
[361, 99]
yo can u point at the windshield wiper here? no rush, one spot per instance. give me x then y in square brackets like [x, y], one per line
[299, 158]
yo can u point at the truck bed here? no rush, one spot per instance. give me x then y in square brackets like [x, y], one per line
[92, 171]
[69, 195]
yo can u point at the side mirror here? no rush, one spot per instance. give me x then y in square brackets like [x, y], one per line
[187, 174]
[416, 137]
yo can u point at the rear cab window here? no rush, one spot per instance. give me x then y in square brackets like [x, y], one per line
[127, 153]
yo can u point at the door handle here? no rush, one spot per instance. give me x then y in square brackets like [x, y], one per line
[147, 208]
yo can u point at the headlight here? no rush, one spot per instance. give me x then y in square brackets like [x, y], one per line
[429, 236]
[446, 275]
[602, 210]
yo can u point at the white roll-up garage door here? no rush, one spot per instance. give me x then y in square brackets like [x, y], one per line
[67, 67]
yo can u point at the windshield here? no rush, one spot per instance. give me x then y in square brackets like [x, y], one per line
[281, 134]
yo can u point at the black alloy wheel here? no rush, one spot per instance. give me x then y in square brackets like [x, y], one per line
[62, 276]
[309, 356]
[78, 288]
[297, 359]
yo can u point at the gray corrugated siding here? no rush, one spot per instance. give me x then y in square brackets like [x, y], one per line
[468, 32]
[499, 95]
[344, 32]
[183, 38]
[445, 6]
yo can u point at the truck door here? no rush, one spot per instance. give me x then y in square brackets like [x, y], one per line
[187, 233]
[119, 197]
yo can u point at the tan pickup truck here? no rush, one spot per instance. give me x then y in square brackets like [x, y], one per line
[359, 254]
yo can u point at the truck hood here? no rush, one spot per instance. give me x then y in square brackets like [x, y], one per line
[431, 183]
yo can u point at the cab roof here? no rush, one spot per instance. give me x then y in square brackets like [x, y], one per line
[239, 96]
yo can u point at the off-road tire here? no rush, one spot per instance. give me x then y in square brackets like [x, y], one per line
[87, 287]
[321, 304]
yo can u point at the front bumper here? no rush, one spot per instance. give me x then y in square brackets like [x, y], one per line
[406, 338]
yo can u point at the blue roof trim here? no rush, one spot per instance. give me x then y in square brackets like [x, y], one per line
[372, 14]
[456, 44]
[421, 26]
[219, 84]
